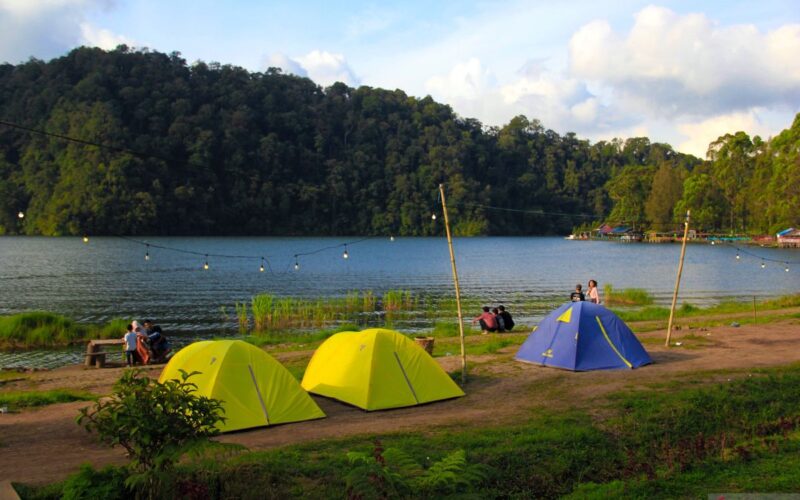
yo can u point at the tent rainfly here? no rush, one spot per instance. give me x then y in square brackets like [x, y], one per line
[582, 336]
[377, 369]
[255, 389]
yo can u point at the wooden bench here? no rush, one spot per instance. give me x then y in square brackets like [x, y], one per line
[96, 355]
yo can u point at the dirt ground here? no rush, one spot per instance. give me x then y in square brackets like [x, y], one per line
[45, 444]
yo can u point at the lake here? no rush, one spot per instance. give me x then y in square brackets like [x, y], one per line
[110, 278]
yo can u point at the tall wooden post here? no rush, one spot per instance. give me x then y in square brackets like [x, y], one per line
[458, 290]
[678, 278]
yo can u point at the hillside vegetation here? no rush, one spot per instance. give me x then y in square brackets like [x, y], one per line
[205, 148]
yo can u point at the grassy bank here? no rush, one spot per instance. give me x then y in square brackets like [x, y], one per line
[742, 434]
[17, 400]
[45, 329]
[766, 310]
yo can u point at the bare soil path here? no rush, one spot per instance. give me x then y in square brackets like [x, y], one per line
[45, 444]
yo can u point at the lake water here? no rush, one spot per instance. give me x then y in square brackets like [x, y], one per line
[110, 278]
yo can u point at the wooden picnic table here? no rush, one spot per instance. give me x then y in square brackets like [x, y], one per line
[96, 353]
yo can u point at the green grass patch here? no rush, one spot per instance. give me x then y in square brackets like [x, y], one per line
[626, 296]
[44, 329]
[16, 400]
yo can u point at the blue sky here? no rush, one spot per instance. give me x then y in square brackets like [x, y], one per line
[677, 71]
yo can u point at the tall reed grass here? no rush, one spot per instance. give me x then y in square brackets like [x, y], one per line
[272, 313]
[46, 329]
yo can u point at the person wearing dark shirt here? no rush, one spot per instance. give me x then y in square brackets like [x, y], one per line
[508, 321]
[577, 295]
[501, 322]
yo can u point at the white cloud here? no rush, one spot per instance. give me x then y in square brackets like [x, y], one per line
[701, 133]
[687, 65]
[467, 80]
[47, 28]
[103, 38]
[325, 68]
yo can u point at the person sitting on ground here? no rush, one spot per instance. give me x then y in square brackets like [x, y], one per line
[501, 323]
[593, 294]
[130, 346]
[147, 327]
[142, 347]
[507, 319]
[577, 295]
[158, 342]
[487, 321]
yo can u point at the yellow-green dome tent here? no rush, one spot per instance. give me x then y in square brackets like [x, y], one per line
[256, 390]
[377, 369]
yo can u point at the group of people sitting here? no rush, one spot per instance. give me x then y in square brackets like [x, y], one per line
[591, 295]
[145, 343]
[495, 320]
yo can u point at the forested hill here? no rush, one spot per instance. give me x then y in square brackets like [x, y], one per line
[215, 149]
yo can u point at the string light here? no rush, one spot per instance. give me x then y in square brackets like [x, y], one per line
[296, 264]
[763, 265]
[85, 239]
[21, 214]
[147, 253]
[205, 264]
[345, 255]
[433, 216]
[787, 266]
[738, 257]
[261, 268]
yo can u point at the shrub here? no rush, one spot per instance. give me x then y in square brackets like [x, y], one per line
[154, 422]
[88, 483]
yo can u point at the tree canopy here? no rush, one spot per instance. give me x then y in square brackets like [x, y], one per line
[206, 148]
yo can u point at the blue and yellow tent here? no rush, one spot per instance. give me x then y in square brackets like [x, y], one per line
[582, 336]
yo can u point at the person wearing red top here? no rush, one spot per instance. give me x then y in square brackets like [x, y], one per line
[487, 321]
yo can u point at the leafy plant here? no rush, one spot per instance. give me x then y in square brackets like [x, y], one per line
[155, 422]
[391, 473]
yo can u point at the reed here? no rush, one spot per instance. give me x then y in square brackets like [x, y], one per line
[272, 313]
[242, 318]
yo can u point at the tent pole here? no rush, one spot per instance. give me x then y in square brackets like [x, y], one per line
[458, 290]
[678, 278]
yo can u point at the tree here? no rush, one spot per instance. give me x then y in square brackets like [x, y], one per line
[666, 191]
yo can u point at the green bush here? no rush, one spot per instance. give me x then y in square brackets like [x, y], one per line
[155, 422]
[90, 484]
[25, 399]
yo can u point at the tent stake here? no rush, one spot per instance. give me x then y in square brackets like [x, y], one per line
[458, 290]
[678, 278]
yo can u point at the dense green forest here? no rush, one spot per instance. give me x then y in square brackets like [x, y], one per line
[214, 149]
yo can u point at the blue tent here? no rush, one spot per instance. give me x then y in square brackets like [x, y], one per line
[583, 336]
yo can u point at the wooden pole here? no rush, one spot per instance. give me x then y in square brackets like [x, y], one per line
[458, 290]
[678, 278]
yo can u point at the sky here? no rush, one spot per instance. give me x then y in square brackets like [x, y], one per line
[681, 72]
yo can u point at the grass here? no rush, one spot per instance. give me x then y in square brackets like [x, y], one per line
[25, 399]
[674, 441]
[626, 296]
[45, 329]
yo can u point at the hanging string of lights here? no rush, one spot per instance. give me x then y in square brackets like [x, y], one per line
[263, 259]
[764, 259]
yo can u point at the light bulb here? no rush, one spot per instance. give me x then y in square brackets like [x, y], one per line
[205, 264]
[391, 238]
[738, 256]
[433, 216]
[763, 265]
[147, 256]
[261, 268]
[86, 239]
[296, 266]
[787, 268]
[712, 242]
[21, 215]
[345, 255]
